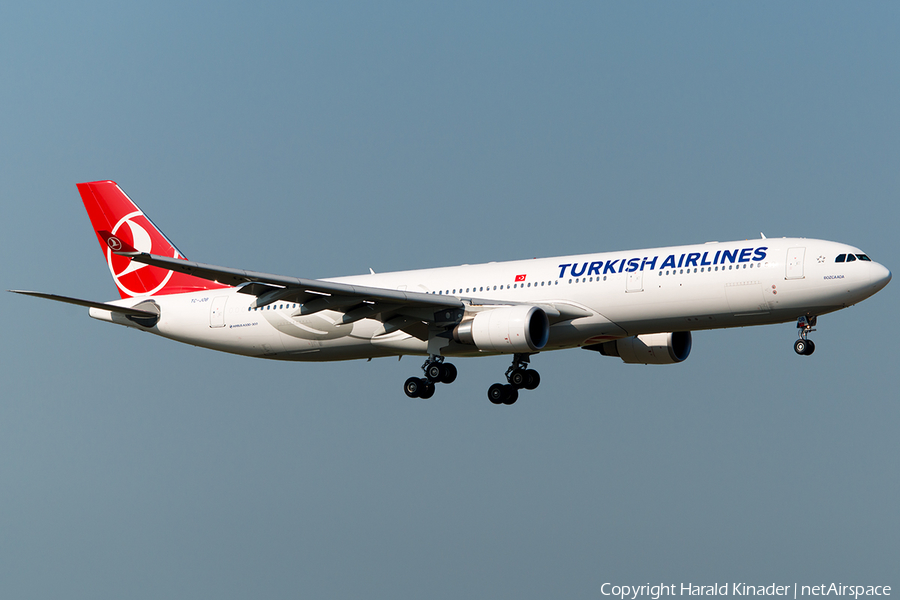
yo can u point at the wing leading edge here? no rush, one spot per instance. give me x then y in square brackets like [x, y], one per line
[296, 289]
[355, 301]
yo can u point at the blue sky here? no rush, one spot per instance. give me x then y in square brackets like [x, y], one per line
[321, 140]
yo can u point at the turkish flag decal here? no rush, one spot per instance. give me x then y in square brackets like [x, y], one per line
[520, 278]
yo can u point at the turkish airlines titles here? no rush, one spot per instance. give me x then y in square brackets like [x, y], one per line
[688, 259]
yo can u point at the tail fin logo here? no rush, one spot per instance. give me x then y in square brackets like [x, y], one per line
[135, 229]
[122, 227]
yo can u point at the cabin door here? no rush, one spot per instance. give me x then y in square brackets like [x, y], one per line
[217, 311]
[794, 264]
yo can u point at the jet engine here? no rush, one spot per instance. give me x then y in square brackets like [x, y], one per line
[650, 349]
[513, 329]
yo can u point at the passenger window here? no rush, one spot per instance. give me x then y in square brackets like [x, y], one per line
[840, 258]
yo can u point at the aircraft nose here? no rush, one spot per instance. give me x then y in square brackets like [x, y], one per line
[881, 275]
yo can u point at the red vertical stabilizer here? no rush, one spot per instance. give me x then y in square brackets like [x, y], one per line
[112, 211]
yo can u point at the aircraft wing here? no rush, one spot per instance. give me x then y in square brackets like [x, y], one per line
[294, 288]
[355, 301]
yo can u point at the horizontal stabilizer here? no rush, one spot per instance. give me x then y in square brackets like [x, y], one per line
[130, 312]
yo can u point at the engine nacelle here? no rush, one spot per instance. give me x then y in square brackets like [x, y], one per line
[651, 349]
[514, 329]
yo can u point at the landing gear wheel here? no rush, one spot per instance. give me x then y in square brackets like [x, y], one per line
[532, 379]
[448, 373]
[434, 371]
[517, 378]
[512, 394]
[414, 387]
[497, 393]
[428, 391]
[804, 346]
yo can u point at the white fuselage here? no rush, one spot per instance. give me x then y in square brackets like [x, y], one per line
[619, 294]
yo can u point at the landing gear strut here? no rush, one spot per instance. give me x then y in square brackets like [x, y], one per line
[805, 346]
[519, 377]
[436, 371]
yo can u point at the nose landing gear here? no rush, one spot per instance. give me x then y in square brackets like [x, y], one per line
[436, 371]
[519, 377]
[804, 346]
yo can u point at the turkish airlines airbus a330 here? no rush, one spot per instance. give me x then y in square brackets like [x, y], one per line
[639, 305]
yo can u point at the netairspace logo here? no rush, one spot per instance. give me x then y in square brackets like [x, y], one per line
[655, 592]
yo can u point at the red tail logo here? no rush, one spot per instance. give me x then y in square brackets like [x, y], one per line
[112, 212]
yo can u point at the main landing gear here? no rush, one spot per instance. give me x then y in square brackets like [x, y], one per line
[805, 346]
[519, 376]
[436, 371]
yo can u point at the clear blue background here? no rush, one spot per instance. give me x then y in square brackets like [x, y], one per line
[321, 140]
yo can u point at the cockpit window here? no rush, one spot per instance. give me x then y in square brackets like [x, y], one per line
[851, 258]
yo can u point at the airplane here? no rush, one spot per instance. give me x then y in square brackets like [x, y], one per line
[638, 305]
